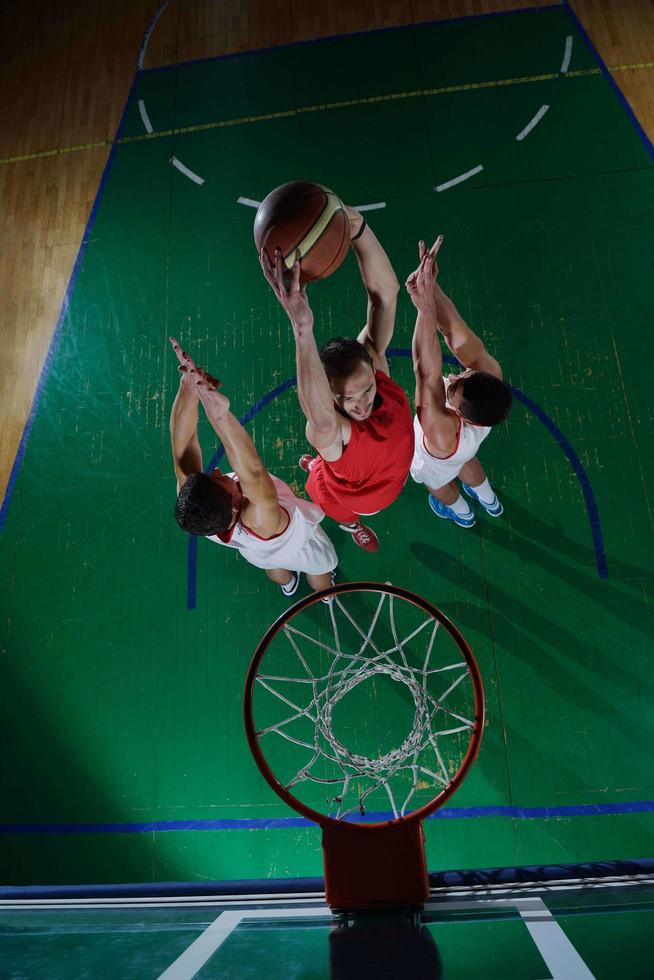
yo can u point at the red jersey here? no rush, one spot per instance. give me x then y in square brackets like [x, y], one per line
[375, 463]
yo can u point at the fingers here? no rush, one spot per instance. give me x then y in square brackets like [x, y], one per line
[179, 353]
[421, 249]
[268, 271]
[295, 280]
[433, 251]
[189, 369]
[279, 271]
[213, 383]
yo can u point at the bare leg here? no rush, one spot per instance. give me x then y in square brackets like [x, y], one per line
[472, 472]
[280, 576]
[318, 582]
[447, 494]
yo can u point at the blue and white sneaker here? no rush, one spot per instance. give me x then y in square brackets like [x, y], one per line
[495, 508]
[442, 510]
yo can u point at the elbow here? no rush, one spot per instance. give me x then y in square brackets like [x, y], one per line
[257, 471]
[389, 293]
[384, 295]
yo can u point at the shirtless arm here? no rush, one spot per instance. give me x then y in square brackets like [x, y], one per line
[464, 344]
[382, 288]
[187, 455]
[324, 425]
[438, 423]
[264, 513]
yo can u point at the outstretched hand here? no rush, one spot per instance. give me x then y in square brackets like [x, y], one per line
[420, 283]
[287, 288]
[200, 382]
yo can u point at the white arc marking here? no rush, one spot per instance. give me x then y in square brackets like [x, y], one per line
[185, 170]
[567, 54]
[148, 33]
[459, 179]
[145, 117]
[532, 122]
[248, 201]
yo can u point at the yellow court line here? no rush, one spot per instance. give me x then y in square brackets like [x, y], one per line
[321, 107]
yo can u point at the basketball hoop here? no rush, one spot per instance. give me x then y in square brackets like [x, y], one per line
[364, 714]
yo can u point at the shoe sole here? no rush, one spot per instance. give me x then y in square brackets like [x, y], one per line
[446, 517]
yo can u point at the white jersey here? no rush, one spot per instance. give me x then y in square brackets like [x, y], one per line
[436, 472]
[302, 546]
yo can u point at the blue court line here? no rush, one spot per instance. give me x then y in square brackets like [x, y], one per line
[47, 364]
[649, 146]
[586, 489]
[564, 443]
[279, 823]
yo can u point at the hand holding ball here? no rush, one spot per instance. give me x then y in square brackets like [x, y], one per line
[307, 222]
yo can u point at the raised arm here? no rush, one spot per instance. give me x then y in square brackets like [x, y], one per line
[437, 422]
[382, 287]
[324, 425]
[462, 341]
[187, 455]
[242, 454]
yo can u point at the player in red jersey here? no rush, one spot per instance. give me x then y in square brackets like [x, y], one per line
[358, 419]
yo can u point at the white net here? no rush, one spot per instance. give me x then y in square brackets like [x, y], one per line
[376, 701]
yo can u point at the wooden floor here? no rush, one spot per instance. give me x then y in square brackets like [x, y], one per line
[67, 71]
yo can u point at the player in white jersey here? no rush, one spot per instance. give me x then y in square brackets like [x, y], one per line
[454, 414]
[249, 509]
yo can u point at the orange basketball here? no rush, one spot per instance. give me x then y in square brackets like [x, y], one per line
[306, 221]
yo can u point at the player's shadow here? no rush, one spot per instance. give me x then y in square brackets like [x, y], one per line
[622, 594]
[519, 629]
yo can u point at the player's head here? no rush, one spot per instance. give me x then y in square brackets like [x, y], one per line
[208, 504]
[351, 376]
[480, 397]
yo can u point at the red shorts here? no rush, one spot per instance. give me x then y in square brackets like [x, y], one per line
[330, 503]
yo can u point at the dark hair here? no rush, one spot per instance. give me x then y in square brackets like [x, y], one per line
[202, 506]
[486, 399]
[340, 356]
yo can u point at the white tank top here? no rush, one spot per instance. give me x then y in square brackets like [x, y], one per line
[280, 550]
[469, 439]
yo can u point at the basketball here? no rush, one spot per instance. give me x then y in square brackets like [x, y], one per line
[306, 221]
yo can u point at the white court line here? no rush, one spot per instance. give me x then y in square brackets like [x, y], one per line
[562, 959]
[532, 122]
[145, 117]
[560, 956]
[148, 33]
[305, 898]
[185, 170]
[567, 54]
[202, 949]
[459, 179]
[248, 201]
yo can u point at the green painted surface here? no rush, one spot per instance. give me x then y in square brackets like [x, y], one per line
[91, 944]
[118, 704]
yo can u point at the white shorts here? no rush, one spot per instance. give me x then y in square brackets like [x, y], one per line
[316, 557]
[435, 472]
